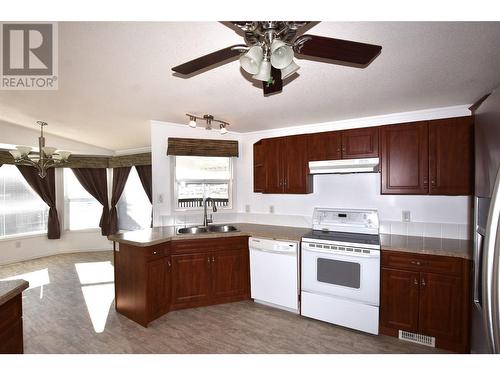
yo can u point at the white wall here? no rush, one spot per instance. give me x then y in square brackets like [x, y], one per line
[437, 216]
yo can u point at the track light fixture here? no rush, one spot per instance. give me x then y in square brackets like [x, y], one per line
[208, 119]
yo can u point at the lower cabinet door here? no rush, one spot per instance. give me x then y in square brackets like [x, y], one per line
[190, 279]
[158, 287]
[442, 307]
[230, 274]
[399, 300]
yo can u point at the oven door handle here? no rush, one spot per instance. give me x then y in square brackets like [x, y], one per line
[373, 253]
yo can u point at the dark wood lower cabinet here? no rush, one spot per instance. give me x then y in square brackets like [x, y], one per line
[428, 295]
[150, 281]
[11, 326]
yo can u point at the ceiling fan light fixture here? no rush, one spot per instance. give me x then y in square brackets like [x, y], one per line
[281, 54]
[264, 72]
[251, 61]
[289, 70]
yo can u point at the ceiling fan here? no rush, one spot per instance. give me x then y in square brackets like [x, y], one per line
[271, 46]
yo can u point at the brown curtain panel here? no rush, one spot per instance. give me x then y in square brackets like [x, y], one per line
[94, 180]
[120, 176]
[146, 177]
[46, 189]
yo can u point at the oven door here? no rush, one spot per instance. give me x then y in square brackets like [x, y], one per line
[354, 276]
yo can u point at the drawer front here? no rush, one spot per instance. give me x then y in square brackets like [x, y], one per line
[209, 244]
[421, 262]
[156, 251]
[10, 311]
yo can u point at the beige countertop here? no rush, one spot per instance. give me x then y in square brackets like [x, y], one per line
[427, 245]
[11, 288]
[154, 236]
[411, 244]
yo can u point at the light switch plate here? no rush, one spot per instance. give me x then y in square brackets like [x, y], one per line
[406, 216]
[247, 208]
[271, 209]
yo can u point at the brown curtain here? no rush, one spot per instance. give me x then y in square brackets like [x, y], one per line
[94, 180]
[120, 176]
[46, 189]
[145, 175]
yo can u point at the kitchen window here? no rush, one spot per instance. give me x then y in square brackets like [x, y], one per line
[22, 211]
[200, 177]
[134, 208]
[81, 210]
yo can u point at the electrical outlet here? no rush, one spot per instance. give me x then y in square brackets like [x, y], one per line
[247, 208]
[271, 209]
[406, 216]
[18, 244]
[160, 198]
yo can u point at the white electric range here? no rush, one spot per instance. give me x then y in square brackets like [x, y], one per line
[340, 260]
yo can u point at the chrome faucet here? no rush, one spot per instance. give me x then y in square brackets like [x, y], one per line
[207, 220]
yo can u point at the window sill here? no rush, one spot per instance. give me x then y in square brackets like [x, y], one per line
[85, 230]
[17, 237]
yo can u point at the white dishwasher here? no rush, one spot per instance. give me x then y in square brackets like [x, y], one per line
[274, 276]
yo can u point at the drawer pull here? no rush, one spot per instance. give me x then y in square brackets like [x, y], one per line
[416, 262]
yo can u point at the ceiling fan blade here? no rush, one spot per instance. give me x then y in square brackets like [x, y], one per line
[276, 85]
[210, 59]
[336, 49]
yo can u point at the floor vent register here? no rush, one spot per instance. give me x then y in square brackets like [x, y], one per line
[418, 339]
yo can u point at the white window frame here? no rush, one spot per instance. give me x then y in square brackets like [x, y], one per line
[231, 194]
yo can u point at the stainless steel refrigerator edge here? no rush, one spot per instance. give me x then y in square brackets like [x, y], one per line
[485, 334]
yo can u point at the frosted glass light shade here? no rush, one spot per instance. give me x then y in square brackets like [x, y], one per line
[15, 153]
[281, 54]
[251, 61]
[289, 70]
[24, 150]
[223, 129]
[49, 151]
[64, 154]
[264, 72]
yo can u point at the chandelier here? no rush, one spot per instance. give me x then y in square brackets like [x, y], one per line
[208, 119]
[45, 158]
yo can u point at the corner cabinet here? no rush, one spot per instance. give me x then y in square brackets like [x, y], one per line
[428, 295]
[428, 157]
[281, 166]
[151, 281]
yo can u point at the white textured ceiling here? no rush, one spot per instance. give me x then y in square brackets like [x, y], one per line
[115, 77]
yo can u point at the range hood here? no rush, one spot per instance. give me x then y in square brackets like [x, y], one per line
[344, 166]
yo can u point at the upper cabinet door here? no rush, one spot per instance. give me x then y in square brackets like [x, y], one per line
[360, 143]
[297, 179]
[451, 156]
[324, 146]
[259, 171]
[405, 158]
[274, 148]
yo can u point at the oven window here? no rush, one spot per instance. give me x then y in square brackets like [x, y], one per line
[338, 272]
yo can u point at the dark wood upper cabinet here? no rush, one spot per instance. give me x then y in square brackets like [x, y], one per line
[399, 299]
[259, 171]
[451, 156]
[360, 143]
[286, 165]
[405, 158]
[324, 146]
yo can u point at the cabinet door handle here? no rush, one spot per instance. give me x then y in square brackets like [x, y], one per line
[423, 282]
[416, 262]
[433, 182]
[213, 259]
[284, 182]
[415, 281]
[208, 260]
[426, 181]
[169, 264]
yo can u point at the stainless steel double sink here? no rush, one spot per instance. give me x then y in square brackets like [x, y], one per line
[208, 229]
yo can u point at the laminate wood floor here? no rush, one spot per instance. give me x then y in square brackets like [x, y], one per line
[69, 309]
